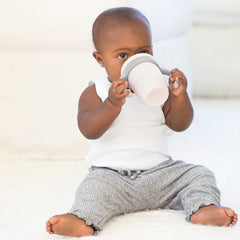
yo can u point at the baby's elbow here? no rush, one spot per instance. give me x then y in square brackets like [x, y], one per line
[91, 136]
[88, 133]
[179, 127]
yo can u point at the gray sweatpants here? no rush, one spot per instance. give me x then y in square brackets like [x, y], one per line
[105, 193]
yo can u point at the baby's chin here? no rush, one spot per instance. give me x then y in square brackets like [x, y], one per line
[110, 79]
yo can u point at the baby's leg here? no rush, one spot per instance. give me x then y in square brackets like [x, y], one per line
[204, 192]
[100, 196]
[68, 225]
[200, 198]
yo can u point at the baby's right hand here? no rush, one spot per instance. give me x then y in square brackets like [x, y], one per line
[116, 95]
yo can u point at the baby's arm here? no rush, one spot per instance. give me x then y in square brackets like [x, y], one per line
[95, 116]
[178, 109]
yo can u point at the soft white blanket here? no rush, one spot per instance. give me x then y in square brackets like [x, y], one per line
[33, 190]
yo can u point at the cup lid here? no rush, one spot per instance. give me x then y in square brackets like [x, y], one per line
[136, 59]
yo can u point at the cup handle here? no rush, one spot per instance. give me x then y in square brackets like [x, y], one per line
[175, 85]
[167, 72]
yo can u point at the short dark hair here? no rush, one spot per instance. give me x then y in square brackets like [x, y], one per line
[121, 14]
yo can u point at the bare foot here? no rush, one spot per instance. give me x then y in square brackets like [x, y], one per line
[68, 225]
[214, 215]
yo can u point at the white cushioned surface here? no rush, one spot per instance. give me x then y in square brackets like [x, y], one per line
[32, 191]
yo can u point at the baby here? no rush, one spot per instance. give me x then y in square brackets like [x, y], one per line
[131, 169]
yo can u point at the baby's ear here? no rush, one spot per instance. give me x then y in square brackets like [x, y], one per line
[98, 57]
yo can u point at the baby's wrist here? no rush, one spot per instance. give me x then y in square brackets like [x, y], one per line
[182, 93]
[113, 104]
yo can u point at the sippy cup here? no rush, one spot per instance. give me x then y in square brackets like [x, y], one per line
[145, 78]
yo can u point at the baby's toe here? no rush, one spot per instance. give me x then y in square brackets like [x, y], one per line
[49, 229]
[53, 220]
[230, 212]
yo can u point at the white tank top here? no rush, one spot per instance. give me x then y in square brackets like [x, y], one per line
[136, 140]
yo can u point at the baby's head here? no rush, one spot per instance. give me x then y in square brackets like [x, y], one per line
[119, 33]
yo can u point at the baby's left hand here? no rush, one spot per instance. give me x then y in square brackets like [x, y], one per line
[177, 75]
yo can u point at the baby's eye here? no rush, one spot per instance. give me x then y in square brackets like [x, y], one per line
[122, 56]
[144, 51]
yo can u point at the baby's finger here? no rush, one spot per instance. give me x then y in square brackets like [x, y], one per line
[174, 70]
[172, 78]
[125, 93]
[117, 83]
[121, 87]
[171, 82]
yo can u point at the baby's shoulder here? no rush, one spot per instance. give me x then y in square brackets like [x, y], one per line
[89, 91]
[89, 95]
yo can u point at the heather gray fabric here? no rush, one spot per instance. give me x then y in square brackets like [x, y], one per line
[105, 193]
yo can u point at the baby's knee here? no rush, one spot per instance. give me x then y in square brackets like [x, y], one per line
[206, 173]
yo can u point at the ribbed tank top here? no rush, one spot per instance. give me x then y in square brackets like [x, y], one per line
[136, 140]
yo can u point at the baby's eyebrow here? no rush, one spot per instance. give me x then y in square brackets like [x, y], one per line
[122, 49]
[147, 46]
[131, 49]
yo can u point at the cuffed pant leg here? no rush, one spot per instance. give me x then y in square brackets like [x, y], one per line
[103, 194]
[201, 190]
